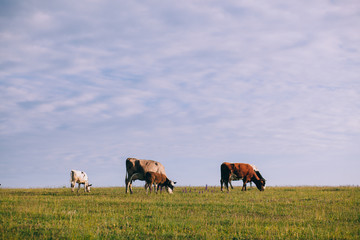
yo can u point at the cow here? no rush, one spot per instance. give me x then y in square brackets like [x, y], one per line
[158, 180]
[79, 177]
[238, 171]
[257, 173]
[137, 168]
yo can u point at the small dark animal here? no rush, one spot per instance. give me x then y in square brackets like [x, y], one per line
[158, 180]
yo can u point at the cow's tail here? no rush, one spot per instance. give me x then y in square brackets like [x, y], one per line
[72, 177]
[129, 165]
[72, 173]
[225, 172]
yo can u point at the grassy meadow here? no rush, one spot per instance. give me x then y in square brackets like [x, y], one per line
[190, 213]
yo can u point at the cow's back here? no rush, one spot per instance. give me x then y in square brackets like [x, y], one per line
[243, 170]
[143, 166]
[78, 176]
[239, 169]
[152, 166]
[160, 178]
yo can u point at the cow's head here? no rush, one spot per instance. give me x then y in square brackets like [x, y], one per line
[169, 185]
[260, 184]
[88, 187]
[264, 182]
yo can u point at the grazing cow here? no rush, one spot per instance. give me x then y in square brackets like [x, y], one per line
[257, 173]
[158, 180]
[137, 168]
[79, 177]
[238, 171]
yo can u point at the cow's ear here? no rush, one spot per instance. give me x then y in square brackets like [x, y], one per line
[174, 182]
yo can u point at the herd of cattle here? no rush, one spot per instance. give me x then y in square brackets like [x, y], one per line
[153, 173]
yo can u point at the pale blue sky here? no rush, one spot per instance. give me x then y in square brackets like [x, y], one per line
[84, 85]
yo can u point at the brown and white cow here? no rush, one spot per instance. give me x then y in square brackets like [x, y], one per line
[137, 168]
[238, 171]
[158, 180]
[79, 177]
[257, 173]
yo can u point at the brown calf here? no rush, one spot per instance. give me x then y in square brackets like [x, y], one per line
[159, 180]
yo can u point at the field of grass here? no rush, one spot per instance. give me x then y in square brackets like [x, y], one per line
[190, 213]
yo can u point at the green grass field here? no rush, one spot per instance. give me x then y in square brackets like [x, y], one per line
[108, 213]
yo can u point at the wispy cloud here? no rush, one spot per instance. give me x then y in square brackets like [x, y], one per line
[195, 80]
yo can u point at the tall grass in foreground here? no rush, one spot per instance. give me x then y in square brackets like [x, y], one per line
[190, 213]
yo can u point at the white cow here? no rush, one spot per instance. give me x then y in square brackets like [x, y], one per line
[79, 177]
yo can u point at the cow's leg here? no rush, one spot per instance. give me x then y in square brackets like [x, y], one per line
[227, 186]
[148, 185]
[78, 187]
[244, 185]
[130, 187]
[224, 182]
[72, 186]
[156, 187]
[131, 179]
[151, 187]
[126, 184]
[231, 185]
[146, 188]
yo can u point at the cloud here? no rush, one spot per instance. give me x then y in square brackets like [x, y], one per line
[195, 80]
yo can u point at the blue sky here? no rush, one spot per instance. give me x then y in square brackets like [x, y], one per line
[192, 84]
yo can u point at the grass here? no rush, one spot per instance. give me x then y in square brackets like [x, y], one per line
[190, 213]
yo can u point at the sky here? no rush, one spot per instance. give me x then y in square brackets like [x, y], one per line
[86, 84]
